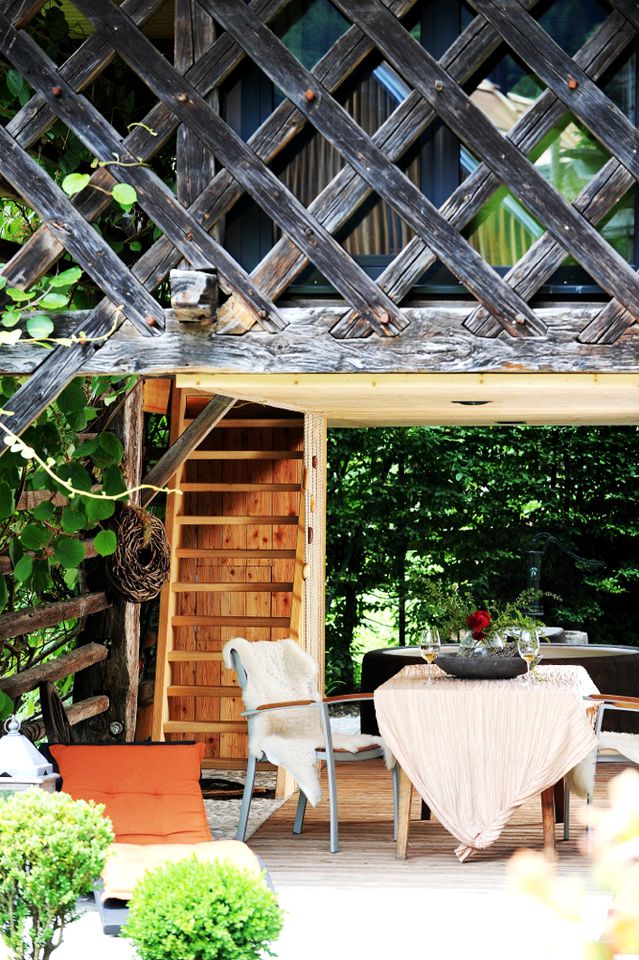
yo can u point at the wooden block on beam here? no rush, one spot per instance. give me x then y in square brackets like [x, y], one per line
[194, 295]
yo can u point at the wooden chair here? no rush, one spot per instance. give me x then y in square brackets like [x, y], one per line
[326, 753]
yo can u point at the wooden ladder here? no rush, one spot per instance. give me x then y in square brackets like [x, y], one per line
[237, 558]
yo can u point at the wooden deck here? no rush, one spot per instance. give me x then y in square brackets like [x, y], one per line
[367, 851]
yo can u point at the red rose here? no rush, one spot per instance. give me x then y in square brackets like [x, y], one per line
[478, 622]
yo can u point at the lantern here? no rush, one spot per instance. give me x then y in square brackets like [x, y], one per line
[21, 765]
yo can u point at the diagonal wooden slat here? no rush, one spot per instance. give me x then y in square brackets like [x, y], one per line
[87, 247]
[565, 78]
[42, 250]
[104, 142]
[280, 204]
[21, 12]
[546, 255]
[344, 193]
[601, 261]
[333, 121]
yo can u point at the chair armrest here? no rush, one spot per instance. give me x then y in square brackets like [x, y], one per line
[284, 705]
[348, 698]
[626, 703]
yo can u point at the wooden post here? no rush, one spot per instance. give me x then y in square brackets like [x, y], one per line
[121, 622]
[315, 496]
[548, 817]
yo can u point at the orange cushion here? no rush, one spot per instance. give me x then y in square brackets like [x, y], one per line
[151, 791]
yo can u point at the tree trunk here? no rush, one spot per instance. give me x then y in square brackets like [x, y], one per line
[119, 626]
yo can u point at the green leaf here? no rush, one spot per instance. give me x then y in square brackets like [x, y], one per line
[86, 448]
[39, 327]
[7, 502]
[73, 518]
[97, 510]
[11, 317]
[23, 569]
[15, 82]
[3, 282]
[34, 537]
[6, 704]
[73, 397]
[45, 511]
[112, 481]
[19, 296]
[54, 301]
[124, 194]
[69, 552]
[105, 543]
[41, 580]
[65, 278]
[111, 447]
[75, 182]
[4, 593]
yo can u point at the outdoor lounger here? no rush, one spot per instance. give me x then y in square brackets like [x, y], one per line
[152, 796]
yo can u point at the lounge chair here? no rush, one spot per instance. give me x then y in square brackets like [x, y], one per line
[152, 796]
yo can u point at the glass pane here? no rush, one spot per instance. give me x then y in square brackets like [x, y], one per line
[568, 157]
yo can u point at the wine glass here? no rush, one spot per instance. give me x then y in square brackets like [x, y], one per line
[430, 645]
[528, 647]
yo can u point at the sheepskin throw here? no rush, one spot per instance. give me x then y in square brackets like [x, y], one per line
[581, 780]
[278, 670]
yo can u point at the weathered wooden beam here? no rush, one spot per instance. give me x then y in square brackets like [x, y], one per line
[76, 713]
[62, 666]
[86, 245]
[194, 295]
[436, 341]
[338, 127]
[177, 453]
[154, 196]
[48, 614]
[420, 69]
[596, 56]
[279, 202]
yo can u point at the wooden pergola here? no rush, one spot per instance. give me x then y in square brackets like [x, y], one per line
[370, 351]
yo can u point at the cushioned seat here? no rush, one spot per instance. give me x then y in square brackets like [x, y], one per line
[152, 796]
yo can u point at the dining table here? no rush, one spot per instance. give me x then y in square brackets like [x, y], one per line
[476, 750]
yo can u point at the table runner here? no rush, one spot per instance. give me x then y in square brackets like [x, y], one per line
[477, 749]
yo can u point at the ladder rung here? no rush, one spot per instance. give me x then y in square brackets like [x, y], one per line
[186, 553]
[246, 455]
[236, 521]
[233, 587]
[240, 487]
[257, 424]
[205, 726]
[184, 620]
[175, 690]
[183, 656]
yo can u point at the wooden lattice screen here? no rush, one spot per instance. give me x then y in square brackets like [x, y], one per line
[216, 36]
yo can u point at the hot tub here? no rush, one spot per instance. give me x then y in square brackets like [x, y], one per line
[613, 670]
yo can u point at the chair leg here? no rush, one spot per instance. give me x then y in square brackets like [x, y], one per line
[332, 800]
[395, 799]
[246, 798]
[299, 815]
[566, 810]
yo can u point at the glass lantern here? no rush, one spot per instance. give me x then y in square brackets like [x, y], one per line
[22, 766]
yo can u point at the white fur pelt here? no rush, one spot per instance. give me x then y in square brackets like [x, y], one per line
[581, 780]
[279, 670]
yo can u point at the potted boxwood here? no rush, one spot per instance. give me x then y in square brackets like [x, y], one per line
[192, 910]
[52, 849]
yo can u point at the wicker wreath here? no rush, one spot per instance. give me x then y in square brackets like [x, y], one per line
[139, 567]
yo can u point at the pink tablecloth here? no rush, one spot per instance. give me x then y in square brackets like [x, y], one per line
[477, 749]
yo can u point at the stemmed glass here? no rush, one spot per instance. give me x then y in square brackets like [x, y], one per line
[528, 647]
[430, 647]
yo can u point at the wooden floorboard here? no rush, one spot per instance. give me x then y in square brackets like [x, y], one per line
[367, 850]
